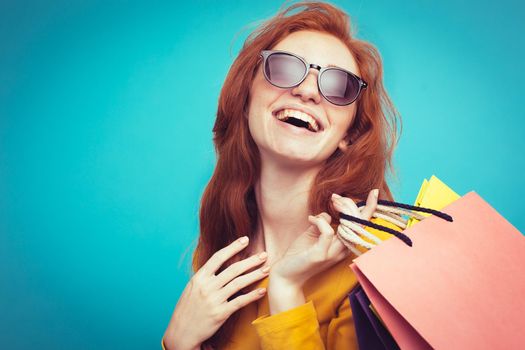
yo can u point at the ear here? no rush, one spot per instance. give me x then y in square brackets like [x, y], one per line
[344, 144]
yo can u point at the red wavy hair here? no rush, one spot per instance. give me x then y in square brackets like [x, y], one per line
[228, 207]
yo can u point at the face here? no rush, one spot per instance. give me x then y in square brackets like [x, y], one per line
[284, 142]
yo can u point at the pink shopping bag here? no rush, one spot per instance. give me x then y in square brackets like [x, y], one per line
[460, 286]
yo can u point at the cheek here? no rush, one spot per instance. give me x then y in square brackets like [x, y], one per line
[260, 103]
[344, 120]
[263, 95]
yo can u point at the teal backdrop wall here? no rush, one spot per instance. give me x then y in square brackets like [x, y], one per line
[106, 111]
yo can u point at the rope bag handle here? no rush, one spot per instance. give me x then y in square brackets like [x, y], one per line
[350, 226]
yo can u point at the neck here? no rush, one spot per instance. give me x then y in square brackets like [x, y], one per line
[282, 199]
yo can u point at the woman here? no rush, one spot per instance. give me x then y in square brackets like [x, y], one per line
[290, 135]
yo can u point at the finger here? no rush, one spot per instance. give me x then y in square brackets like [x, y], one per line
[242, 281]
[371, 204]
[346, 205]
[221, 256]
[340, 207]
[312, 230]
[238, 268]
[325, 216]
[337, 247]
[327, 232]
[243, 300]
[344, 254]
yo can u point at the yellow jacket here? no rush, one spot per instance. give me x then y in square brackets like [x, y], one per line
[325, 318]
[323, 322]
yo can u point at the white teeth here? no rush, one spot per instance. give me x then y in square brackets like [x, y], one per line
[286, 113]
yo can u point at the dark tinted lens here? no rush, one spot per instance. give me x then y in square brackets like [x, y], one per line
[339, 87]
[284, 70]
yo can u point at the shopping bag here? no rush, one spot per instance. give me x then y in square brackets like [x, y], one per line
[460, 285]
[434, 194]
[370, 331]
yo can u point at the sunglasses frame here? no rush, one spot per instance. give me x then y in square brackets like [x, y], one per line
[267, 53]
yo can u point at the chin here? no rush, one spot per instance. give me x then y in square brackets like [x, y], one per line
[296, 159]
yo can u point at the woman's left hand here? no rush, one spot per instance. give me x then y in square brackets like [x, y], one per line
[318, 247]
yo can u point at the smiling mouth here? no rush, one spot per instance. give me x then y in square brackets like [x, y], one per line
[298, 119]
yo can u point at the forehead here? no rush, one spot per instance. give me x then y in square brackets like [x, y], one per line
[320, 48]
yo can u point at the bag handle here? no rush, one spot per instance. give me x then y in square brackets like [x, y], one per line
[386, 210]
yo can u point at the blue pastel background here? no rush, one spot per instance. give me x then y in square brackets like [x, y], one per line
[106, 110]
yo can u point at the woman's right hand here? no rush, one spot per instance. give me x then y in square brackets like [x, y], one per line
[203, 306]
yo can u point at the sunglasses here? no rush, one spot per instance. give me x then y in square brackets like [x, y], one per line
[285, 70]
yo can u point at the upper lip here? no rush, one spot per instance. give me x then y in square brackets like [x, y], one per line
[302, 109]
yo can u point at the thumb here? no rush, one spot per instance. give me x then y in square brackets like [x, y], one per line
[322, 222]
[371, 204]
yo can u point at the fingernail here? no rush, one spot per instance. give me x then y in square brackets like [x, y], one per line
[265, 269]
[243, 240]
[335, 195]
[261, 290]
[263, 255]
[376, 192]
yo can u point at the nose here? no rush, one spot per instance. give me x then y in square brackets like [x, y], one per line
[308, 89]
